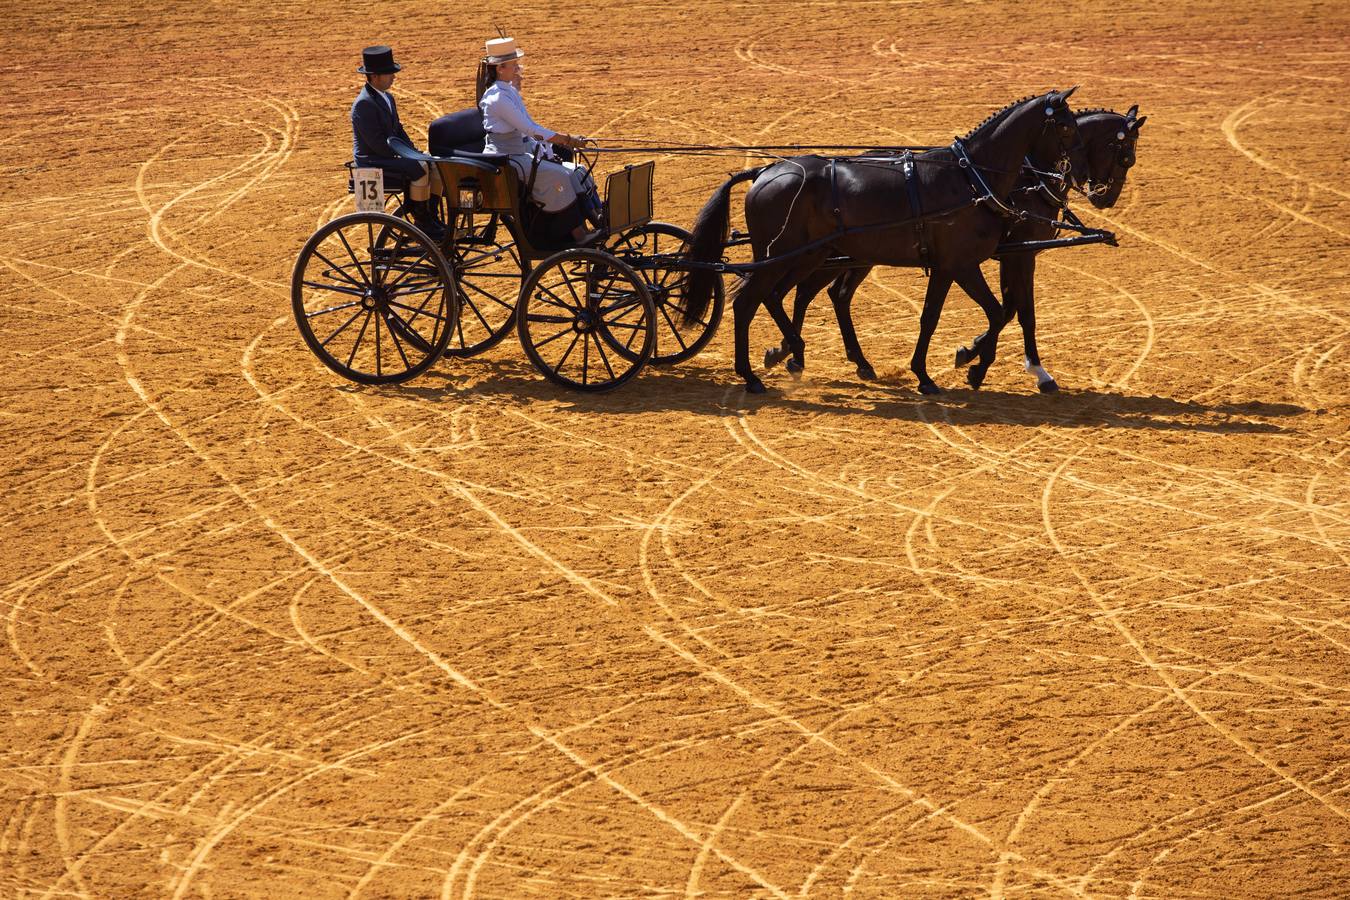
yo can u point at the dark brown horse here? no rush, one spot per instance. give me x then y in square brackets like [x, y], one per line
[804, 210]
[1103, 162]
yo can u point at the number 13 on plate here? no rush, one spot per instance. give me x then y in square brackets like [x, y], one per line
[368, 186]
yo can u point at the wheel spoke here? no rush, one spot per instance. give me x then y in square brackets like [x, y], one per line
[335, 288]
[341, 328]
[465, 300]
[339, 269]
[553, 337]
[627, 326]
[349, 305]
[603, 358]
[359, 336]
[404, 274]
[378, 373]
[566, 353]
[397, 345]
[352, 253]
[585, 358]
[419, 311]
[552, 320]
[431, 286]
[625, 312]
[556, 300]
[673, 330]
[567, 280]
[410, 334]
[493, 297]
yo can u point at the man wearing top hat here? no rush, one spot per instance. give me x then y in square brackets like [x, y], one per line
[374, 121]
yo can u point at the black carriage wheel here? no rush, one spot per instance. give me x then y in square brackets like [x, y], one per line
[373, 298]
[488, 270]
[573, 311]
[650, 250]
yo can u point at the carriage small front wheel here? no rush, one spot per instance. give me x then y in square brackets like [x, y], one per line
[586, 320]
[374, 298]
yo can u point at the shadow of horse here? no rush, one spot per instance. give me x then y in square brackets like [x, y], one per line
[702, 391]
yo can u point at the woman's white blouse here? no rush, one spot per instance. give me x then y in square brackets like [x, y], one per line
[505, 118]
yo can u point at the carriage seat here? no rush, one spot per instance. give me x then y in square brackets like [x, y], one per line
[394, 183]
[457, 132]
[461, 134]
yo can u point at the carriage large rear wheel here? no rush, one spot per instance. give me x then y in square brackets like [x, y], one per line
[576, 310]
[653, 250]
[374, 298]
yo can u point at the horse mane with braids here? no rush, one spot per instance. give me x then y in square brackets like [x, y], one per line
[998, 116]
[1098, 110]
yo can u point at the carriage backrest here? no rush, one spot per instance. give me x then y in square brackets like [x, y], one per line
[457, 132]
[628, 195]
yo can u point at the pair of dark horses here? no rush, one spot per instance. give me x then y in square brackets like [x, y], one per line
[946, 210]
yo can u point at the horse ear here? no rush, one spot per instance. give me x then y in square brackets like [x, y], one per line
[1132, 111]
[1134, 126]
[1064, 96]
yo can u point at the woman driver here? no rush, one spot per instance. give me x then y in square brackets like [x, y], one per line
[511, 132]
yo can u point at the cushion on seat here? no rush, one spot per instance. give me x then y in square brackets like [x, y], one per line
[457, 132]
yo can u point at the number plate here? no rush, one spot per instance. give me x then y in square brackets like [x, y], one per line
[368, 186]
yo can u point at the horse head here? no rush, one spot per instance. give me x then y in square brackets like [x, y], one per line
[1059, 117]
[1108, 152]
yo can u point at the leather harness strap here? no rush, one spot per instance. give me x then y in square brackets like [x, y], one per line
[916, 208]
[834, 193]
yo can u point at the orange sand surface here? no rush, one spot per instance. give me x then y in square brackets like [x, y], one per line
[269, 633]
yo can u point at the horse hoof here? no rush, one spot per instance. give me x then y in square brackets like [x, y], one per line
[928, 387]
[754, 387]
[1048, 387]
[975, 378]
[773, 356]
[867, 373]
[963, 356]
[795, 367]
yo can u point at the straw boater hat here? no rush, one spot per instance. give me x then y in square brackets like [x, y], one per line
[500, 50]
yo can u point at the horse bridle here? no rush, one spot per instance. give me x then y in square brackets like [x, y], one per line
[1063, 164]
[1121, 148]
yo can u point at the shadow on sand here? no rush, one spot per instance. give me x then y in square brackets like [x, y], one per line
[700, 391]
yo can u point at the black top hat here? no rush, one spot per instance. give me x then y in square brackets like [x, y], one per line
[378, 61]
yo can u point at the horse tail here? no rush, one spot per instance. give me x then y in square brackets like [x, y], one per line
[707, 242]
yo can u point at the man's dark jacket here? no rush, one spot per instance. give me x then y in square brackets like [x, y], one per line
[373, 123]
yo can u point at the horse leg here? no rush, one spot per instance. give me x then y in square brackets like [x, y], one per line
[938, 285]
[971, 280]
[1026, 315]
[806, 292]
[792, 340]
[748, 298]
[841, 295]
[1012, 301]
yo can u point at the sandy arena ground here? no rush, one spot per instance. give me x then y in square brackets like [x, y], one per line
[271, 634]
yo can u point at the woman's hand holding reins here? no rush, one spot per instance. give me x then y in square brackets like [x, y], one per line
[568, 141]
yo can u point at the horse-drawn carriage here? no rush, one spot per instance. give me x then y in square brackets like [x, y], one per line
[379, 301]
